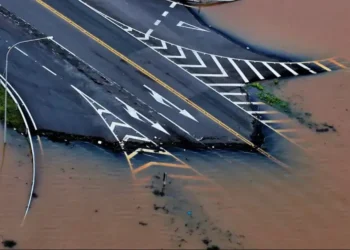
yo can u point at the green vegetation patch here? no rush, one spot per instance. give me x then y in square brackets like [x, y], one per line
[14, 118]
[256, 85]
[274, 101]
[270, 98]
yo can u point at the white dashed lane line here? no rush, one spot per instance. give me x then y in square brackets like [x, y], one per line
[24, 53]
[227, 75]
[49, 70]
[172, 5]
[157, 22]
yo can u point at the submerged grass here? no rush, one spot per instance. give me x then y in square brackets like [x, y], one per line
[274, 101]
[270, 98]
[14, 118]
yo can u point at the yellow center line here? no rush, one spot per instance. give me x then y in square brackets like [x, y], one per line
[157, 80]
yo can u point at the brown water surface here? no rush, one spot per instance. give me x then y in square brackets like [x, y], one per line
[317, 29]
[87, 198]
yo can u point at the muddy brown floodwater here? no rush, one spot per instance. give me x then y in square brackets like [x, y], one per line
[88, 199]
[315, 29]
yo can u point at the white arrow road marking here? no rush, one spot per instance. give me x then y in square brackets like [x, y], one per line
[117, 123]
[166, 102]
[137, 115]
[190, 26]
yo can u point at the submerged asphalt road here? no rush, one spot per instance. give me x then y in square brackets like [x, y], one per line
[184, 72]
[43, 74]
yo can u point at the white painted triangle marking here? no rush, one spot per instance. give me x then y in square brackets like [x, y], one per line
[185, 113]
[159, 127]
[190, 26]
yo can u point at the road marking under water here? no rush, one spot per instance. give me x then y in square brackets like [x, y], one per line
[163, 84]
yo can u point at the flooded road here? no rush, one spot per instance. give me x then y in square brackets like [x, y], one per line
[88, 199]
[313, 29]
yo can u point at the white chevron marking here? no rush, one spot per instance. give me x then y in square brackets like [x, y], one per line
[306, 67]
[254, 69]
[147, 35]
[164, 46]
[271, 69]
[223, 72]
[245, 79]
[201, 65]
[181, 56]
[289, 69]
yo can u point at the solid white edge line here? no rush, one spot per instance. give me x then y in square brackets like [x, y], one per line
[175, 124]
[228, 94]
[249, 103]
[32, 149]
[231, 59]
[226, 84]
[202, 52]
[20, 98]
[49, 70]
[262, 112]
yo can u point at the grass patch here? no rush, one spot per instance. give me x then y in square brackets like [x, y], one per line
[256, 85]
[274, 101]
[14, 118]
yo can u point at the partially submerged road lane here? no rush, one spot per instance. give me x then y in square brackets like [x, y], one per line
[43, 73]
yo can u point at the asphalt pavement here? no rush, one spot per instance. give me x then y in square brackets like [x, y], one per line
[157, 74]
[64, 95]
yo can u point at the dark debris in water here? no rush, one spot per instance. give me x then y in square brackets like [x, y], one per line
[157, 192]
[213, 247]
[156, 208]
[9, 243]
[143, 223]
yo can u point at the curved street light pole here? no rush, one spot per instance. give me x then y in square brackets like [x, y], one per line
[5, 75]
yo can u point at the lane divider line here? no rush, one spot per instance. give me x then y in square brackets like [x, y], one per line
[49, 70]
[224, 74]
[163, 84]
[24, 53]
